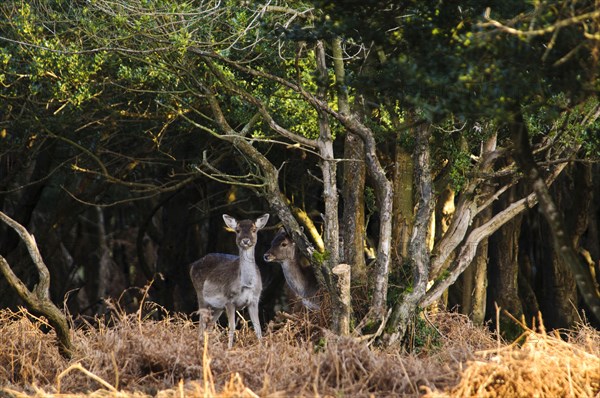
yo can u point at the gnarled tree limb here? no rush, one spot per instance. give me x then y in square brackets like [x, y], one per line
[38, 299]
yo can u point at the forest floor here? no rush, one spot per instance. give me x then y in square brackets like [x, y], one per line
[135, 356]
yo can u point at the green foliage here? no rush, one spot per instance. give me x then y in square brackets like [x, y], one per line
[370, 201]
[321, 258]
[294, 113]
[52, 61]
[371, 327]
[445, 274]
[461, 165]
[424, 337]
[443, 59]
[320, 345]
[126, 84]
[566, 124]
[591, 141]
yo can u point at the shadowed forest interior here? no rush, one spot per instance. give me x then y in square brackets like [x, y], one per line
[419, 158]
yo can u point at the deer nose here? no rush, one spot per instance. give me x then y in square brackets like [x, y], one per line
[246, 242]
[267, 257]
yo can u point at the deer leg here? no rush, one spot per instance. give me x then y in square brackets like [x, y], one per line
[206, 320]
[253, 310]
[310, 304]
[230, 310]
[204, 314]
[216, 316]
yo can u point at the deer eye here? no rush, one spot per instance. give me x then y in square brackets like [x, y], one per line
[284, 244]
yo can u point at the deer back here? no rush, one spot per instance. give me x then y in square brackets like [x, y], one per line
[218, 267]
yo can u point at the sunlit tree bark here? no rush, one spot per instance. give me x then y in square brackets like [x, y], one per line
[38, 299]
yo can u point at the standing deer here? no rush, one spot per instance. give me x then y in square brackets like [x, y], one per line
[298, 274]
[228, 282]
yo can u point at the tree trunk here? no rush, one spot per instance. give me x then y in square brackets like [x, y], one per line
[468, 250]
[344, 276]
[404, 204]
[353, 193]
[527, 280]
[444, 250]
[419, 253]
[475, 281]
[330, 197]
[573, 193]
[562, 244]
[504, 270]
[354, 180]
[112, 280]
[383, 190]
[591, 241]
[480, 284]
[384, 193]
[590, 244]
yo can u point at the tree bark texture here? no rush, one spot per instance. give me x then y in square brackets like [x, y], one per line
[563, 245]
[404, 204]
[38, 299]
[384, 193]
[419, 253]
[558, 296]
[504, 267]
[343, 274]
[443, 253]
[468, 249]
[328, 166]
[353, 193]
[475, 277]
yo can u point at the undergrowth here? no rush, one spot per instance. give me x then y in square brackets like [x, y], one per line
[136, 356]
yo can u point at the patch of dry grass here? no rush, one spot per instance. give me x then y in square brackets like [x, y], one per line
[140, 357]
[537, 364]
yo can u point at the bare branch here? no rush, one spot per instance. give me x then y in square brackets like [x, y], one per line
[470, 244]
[574, 20]
[39, 298]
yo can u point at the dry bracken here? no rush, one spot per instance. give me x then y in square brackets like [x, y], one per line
[136, 356]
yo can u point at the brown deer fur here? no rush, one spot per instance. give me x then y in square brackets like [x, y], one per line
[299, 276]
[228, 282]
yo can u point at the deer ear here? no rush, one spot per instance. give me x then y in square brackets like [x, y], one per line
[230, 221]
[262, 221]
[281, 231]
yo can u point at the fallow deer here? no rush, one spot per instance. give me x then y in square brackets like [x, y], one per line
[228, 282]
[298, 274]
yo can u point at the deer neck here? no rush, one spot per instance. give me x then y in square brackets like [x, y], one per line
[247, 267]
[295, 277]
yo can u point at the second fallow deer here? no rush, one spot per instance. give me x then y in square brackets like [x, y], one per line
[228, 282]
[298, 274]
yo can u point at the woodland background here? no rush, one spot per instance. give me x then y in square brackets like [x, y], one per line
[411, 140]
